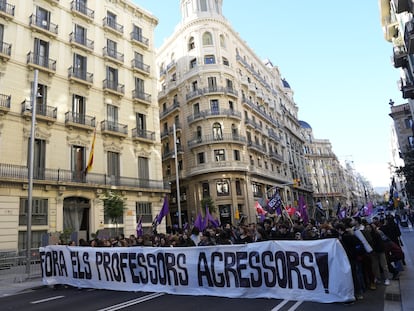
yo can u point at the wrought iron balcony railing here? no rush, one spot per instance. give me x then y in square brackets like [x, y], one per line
[79, 118]
[109, 22]
[80, 74]
[136, 36]
[81, 40]
[7, 8]
[42, 61]
[43, 24]
[80, 7]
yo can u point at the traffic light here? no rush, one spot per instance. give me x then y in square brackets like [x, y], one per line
[296, 183]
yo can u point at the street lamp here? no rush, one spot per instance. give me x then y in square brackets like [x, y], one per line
[30, 167]
[177, 179]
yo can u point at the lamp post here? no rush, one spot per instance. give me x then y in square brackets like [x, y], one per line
[177, 179]
[30, 167]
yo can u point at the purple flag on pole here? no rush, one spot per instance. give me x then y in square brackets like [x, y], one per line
[164, 211]
[199, 222]
[214, 222]
[303, 210]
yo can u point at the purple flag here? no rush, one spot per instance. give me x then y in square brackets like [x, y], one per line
[214, 222]
[140, 231]
[303, 210]
[199, 222]
[164, 210]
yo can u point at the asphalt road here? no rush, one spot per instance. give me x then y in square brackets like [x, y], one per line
[69, 298]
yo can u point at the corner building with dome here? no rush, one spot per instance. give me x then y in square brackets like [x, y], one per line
[237, 133]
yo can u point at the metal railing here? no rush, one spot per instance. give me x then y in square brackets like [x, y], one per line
[62, 176]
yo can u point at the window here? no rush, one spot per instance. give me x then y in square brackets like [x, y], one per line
[137, 33]
[78, 108]
[138, 60]
[36, 239]
[41, 53]
[79, 66]
[203, 5]
[408, 123]
[194, 86]
[111, 19]
[113, 167]
[39, 158]
[80, 35]
[193, 63]
[141, 122]
[238, 187]
[78, 162]
[111, 48]
[209, 59]
[39, 211]
[206, 189]
[112, 77]
[219, 155]
[112, 112]
[42, 18]
[217, 131]
[222, 187]
[196, 109]
[212, 84]
[214, 106]
[143, 171]
[168, 170]
[236, 155]
[257, 190]
[199, 133]
[201, 158]
[207, 38]
[139, 86]
[226, 62]
[191, 44]
[229, 84]
[411, 141]
[144, 210]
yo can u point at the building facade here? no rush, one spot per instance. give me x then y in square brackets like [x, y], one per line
[236, 130]
[94, 61]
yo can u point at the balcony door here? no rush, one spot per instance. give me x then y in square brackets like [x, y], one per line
[41, 53]
[78, 109]
[39, 158]
[78, 160]
[113, 166]
[79, 66]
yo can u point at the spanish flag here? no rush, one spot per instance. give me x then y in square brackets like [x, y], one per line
[90, 160]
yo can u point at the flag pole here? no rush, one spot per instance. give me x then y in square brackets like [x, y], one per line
[177, 179]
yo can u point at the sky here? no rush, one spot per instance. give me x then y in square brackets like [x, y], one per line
[336, 60]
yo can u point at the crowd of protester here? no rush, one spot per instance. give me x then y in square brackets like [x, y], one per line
[373, 247]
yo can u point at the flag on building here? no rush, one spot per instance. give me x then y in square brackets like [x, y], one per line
[199, 222]
[91, 154]
[164, 210]
[303, 209]
[210, 219]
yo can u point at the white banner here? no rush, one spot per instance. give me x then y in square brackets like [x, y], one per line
[316, 270]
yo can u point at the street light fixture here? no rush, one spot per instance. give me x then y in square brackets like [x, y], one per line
[30, 167]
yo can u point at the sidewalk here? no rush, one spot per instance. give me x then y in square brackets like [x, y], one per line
[406, 288]
[11, 284]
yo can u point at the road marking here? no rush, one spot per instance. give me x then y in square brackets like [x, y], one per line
[46, 299]
[132, 302]
[280, 305]
[294, 307]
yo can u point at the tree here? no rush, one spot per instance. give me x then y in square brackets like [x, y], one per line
[208, 202]
[408, 172]
[114, 206]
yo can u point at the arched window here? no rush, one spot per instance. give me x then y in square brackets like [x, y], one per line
[191, 44]
[217, 131]
[207, 38]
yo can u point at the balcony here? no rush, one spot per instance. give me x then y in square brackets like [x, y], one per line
[205, 114]
[140, 135]
[6, 10]
[81, 42]
[140, 67]
[113, 87]
[43, 112]
[139, 39]
[79, 121]
[276, 156]
[256, 147]
[217, 166]
[400, 58]
[113, 55]
[229, 91]
[81, 10]
[42, 63]
[111, 25]
[217, 139]
[5, 51]
[213, 90]
[43, 26]
[114, 129]
[53, 2]
[141, 97]
[401, 6]
[194, 94]
[81, 76]
[61, 177]
[174, 107]
[407, 89]
[4, 103]
[168, 154]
